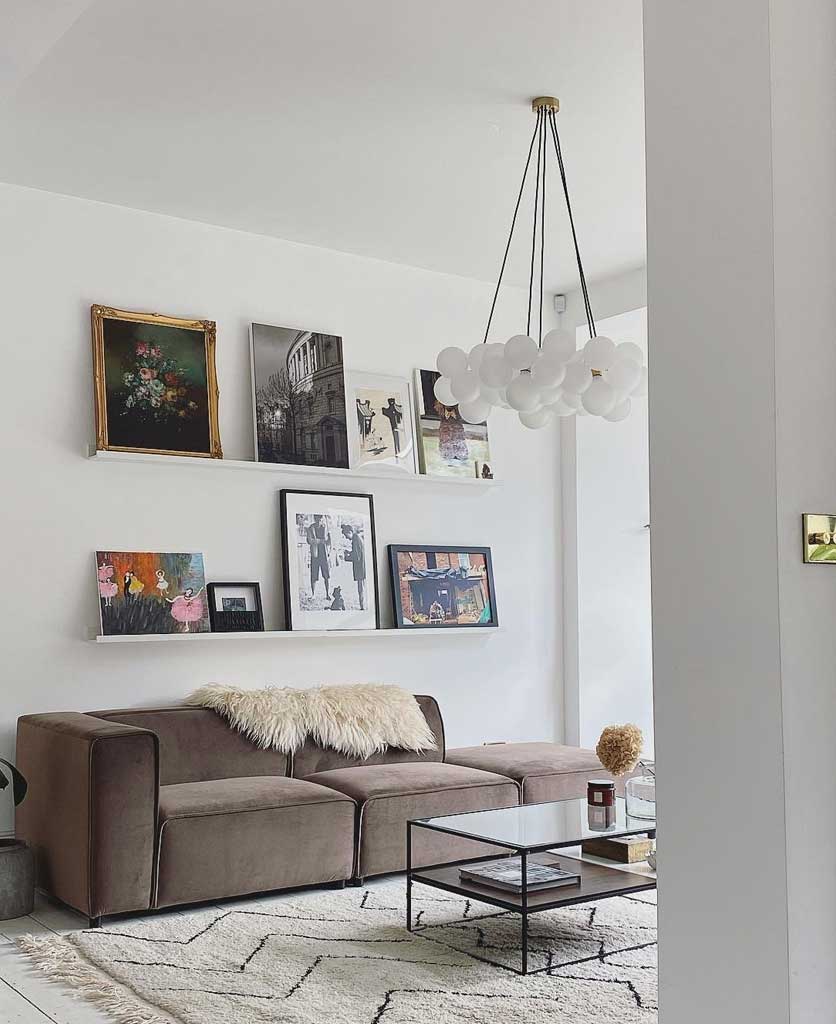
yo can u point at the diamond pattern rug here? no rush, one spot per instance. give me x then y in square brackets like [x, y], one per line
[345, 957]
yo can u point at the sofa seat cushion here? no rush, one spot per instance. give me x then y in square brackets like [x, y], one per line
[544, 771]
[390, 795]
[229, 837]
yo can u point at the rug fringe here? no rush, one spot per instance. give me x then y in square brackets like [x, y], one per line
[59, 959]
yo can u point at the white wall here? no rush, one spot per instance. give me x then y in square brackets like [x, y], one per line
[803, 44]
[716, 571]
[57, 256]
[615, 660]
[606, 665]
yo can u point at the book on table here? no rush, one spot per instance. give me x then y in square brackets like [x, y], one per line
[507, 874]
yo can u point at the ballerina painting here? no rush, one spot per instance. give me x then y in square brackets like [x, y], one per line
[144, 592]
[187, 607]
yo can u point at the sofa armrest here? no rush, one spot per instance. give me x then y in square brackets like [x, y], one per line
[90, 815]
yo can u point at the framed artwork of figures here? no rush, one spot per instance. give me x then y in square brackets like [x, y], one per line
[434, 587]
[151, 592]
[330, 560]
[447, 444]
[156, 387]
[298, 397]
[381, 428]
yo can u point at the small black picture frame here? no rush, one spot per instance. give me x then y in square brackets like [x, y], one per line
[453, 590]
[235, 607]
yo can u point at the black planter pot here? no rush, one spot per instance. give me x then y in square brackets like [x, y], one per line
[17, 879]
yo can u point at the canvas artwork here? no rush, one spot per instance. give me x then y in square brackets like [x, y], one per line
[298, 397]
[330, 561]
[155, 381]
[442, 586]
[381, 431]
[448, 446]
[147, 592]
[819, 538]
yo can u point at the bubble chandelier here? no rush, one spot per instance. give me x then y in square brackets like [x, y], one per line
[543, 378]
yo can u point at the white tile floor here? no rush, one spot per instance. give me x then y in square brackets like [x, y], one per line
[26, 997]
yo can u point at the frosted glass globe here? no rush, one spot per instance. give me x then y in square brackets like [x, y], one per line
[620, 411]
[640, 390]
[560, 344]
[577, 379]
[503, 398]
[624, 375]
[549, 395]
[629, 351]
[442, 391]
[572, 400]
[548, 371]
[492, 396]
[520, 351]
[599, 398]
[495, 371]
[523, 393]
[475, 356]
[536, 419]
[599, 353]
[474, 412]
[560, 408]
[450, 361]
[465, 386]
[580, 411]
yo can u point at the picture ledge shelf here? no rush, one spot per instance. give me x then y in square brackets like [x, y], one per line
[299, 634]
[392, 476]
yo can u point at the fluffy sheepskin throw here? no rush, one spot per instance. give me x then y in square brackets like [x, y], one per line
[358, 720]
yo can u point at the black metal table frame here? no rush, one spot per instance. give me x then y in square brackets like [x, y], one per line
[490, 899]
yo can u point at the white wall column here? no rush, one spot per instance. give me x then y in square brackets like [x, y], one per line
[741, 160]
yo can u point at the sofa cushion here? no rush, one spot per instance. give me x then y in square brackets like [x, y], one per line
[544, 771]
[390, 795]
[228, 837]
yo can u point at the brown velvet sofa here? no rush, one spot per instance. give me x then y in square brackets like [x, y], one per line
[138, 809]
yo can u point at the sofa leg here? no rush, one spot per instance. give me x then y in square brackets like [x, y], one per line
[356, 882]
[338, 885]
[94, 922]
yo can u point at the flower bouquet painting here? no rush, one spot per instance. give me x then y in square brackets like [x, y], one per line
[156, 386]
[144, 592]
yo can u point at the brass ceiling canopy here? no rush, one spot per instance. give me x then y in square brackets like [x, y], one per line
[545, 103]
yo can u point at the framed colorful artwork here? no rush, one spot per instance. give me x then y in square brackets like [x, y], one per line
[144, 592]
[330, 561]
[447, 444]
[435, 587]
[298, 397]
[381, 431]
[819, 538]
[235, 607]
[156, 387]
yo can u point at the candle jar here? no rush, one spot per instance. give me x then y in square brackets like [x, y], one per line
[600, 793]
[640, 792]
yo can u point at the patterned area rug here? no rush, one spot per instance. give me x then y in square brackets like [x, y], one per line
[345, 957]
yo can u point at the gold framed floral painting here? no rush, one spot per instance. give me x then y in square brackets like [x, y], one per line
[156, 386]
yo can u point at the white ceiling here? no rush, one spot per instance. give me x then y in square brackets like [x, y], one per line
[390, 128]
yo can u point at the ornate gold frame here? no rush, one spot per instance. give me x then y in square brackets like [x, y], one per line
[101, 313]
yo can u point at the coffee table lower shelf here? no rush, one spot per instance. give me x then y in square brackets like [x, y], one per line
[597, 882]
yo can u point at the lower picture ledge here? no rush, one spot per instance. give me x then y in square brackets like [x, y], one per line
[332, 634]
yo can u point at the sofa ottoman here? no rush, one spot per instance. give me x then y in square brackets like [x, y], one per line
[387, 796]
[231, 837]
[543, 771]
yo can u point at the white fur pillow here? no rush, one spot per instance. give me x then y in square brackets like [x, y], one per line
[358, 720]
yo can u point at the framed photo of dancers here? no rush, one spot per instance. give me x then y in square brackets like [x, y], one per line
[381, 427]
[143, 592]
[447, 444]
[435, 587]
[156, 387]
[330, 561]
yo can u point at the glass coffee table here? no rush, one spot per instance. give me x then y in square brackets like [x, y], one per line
[531, 832]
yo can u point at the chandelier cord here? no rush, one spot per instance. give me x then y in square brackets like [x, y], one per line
[542, 233]
[541, 154]
[511, 232]
[587, 304]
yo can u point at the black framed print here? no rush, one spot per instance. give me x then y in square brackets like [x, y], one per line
[435, 587]
[330, 561]
[235, 607]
